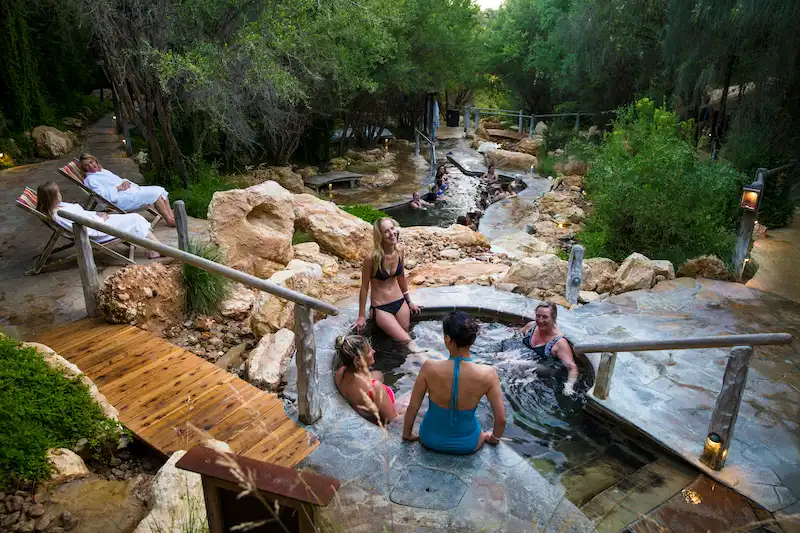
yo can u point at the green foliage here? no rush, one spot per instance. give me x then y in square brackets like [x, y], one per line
[653, 195]
[299, 237]
[205, 180]
[41, 409]
[547, 166]
[205, 291]
[365, 212]
[558, 134]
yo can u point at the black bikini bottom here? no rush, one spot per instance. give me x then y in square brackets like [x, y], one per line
[391, 307]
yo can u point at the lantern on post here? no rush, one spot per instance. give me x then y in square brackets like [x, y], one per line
[751, 196]
[749, 202]
[713, 455]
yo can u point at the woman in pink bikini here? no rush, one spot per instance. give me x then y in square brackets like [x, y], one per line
[361, 387]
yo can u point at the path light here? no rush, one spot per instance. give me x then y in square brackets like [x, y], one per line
[114, 117]
[712, 455]
[751, 196]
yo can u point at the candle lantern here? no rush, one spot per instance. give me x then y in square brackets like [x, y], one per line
[713, 455]
[751, 196]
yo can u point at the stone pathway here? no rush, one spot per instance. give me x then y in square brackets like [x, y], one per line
[29, 304]
[778, 257]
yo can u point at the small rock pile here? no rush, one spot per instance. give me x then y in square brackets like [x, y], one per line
[210, 337]
[125, 465]
[22, 514]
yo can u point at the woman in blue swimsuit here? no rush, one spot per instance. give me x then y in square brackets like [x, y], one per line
[383, 274]
[543, 337]
[455, 388]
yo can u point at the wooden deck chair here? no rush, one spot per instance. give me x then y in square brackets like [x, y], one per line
[75, 174]
[27, 201]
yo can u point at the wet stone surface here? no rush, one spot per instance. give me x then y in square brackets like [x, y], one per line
[428, 489]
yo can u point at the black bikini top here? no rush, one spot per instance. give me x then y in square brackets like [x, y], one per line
[382, 275]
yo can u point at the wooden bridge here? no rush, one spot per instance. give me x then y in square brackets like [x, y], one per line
[173, 399]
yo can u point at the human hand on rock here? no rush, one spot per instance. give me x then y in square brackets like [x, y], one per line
[361, 324]
[569, 389]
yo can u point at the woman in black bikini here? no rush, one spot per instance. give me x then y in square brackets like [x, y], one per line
[543, 337]
[383, 274]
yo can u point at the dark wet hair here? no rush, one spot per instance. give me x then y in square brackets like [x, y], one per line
[440, 171]
[552, 307]
[461, 328]
[349, 348]
[462, 220]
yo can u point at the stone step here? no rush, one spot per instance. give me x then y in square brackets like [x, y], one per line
[585, 481]
[633, 496]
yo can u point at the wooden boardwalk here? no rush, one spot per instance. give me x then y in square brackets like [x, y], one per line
[161, 391]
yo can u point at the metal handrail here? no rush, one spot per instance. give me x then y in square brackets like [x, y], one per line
[767, 173]
[424, 137]
[205, 264]
[721, 341]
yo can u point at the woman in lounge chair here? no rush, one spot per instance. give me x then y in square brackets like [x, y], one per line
[382, 273]
[48, 202]
[455, 387]
[362, 388]
[124, 194]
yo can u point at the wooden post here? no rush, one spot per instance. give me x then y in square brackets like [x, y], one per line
[602, 383]
[416, 142]
[87, 269]
[530, 128]
[577, 122]
[466, 118]
[574, 274]
[477, 118]
[726, 410]
[745, 237]
[182, 225]
[519, 126]
[306, 358]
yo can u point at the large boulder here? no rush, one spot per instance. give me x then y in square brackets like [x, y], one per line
[599, 275]
[338, 163]
[540, 129]
[561, 206]
[530, 146]
[665, 271]
[254, 226]
[310, 252]
[522, 244]
[238, 303]
[487, 146]
[636, 272]
[66, 466]
[52, 142]
[506, 159]
[150, 296]
[266, 363]
[461, 236]
[271, 313]
[336, 231]
[706, 266]
[539, 276]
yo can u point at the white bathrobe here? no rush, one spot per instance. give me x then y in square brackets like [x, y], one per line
[130, 222]
[105, 184]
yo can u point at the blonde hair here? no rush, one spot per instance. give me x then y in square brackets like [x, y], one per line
[377, 238]
[46, 195]
[350, 348]
[86, 156]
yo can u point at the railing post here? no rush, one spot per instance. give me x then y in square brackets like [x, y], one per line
[602, 383]
[726, 410]
[745, 237]
[416, 142]
[466, 118]
[306, 357]
[574, 274]
[519, 127]
[433, 159]
[533, 122]
[577, 122]
[87, 269]
[477, 118]
[181, 225]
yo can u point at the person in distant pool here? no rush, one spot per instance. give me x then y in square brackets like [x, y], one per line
[441, 174]
[455, 387]
[363, 389]
[489, 176]
[417, 202]
[382, 273]
[543, 337]
[484, 201]
[504, 192]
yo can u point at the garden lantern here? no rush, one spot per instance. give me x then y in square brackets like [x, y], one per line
[713, 456]
[751, 196]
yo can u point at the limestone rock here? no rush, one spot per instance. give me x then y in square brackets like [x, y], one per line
[238, 304]
[546, 274]
[491, 123]
[508, 160]
[572, 167]
[561, 204]
[706, 266]
[271, 313]
[530, 146]
[664, 268]
[52, 142]
[460, 235]
[71, 371]
[150, 296]
[266, 364]
[67, 465]
[505, 287]
[176, 500]
[540, 129]
[335, 231]
[487, 146]
[338, 163]
[559, 300]
[307, 172]
[450, 253]
[636, 272]
[599, 274]
[309, 251]
[587, 297]
[521, 244]
[367, 156]
[384, 178]
[254, 226]
[481, 132]
[313, 269]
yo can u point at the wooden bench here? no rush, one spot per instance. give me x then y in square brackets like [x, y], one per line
[338, 176]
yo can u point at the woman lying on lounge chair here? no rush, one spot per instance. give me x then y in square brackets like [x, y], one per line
[126, 195]
[49, 202]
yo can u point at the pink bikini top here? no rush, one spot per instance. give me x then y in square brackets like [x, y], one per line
[388, 391]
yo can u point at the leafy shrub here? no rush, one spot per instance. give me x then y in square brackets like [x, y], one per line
[204, 181]
[558, 134]
[205, 290]
[364, 212]
[547, 166]
[41, 409]
[652, 195]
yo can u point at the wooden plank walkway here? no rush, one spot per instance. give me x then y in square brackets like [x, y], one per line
[337, 176]
[162, 390]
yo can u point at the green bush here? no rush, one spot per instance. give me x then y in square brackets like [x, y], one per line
[205, 290]
[652, 195]
[204, 181]
[364, 212]
[41, 409]
[559, 133]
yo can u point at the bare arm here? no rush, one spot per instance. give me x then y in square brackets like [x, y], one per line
[417, 395]
[564, 353]
[402, 282]
[527, 327]
[366, 276]
[385, 407]
[495, 396]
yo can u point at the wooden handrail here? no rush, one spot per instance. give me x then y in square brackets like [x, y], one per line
[205, 264]
[720, 341]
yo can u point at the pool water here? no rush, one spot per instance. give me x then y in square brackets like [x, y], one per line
[461, 198]
[552, 431]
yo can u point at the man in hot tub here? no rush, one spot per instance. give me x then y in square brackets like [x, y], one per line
[543, 337]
